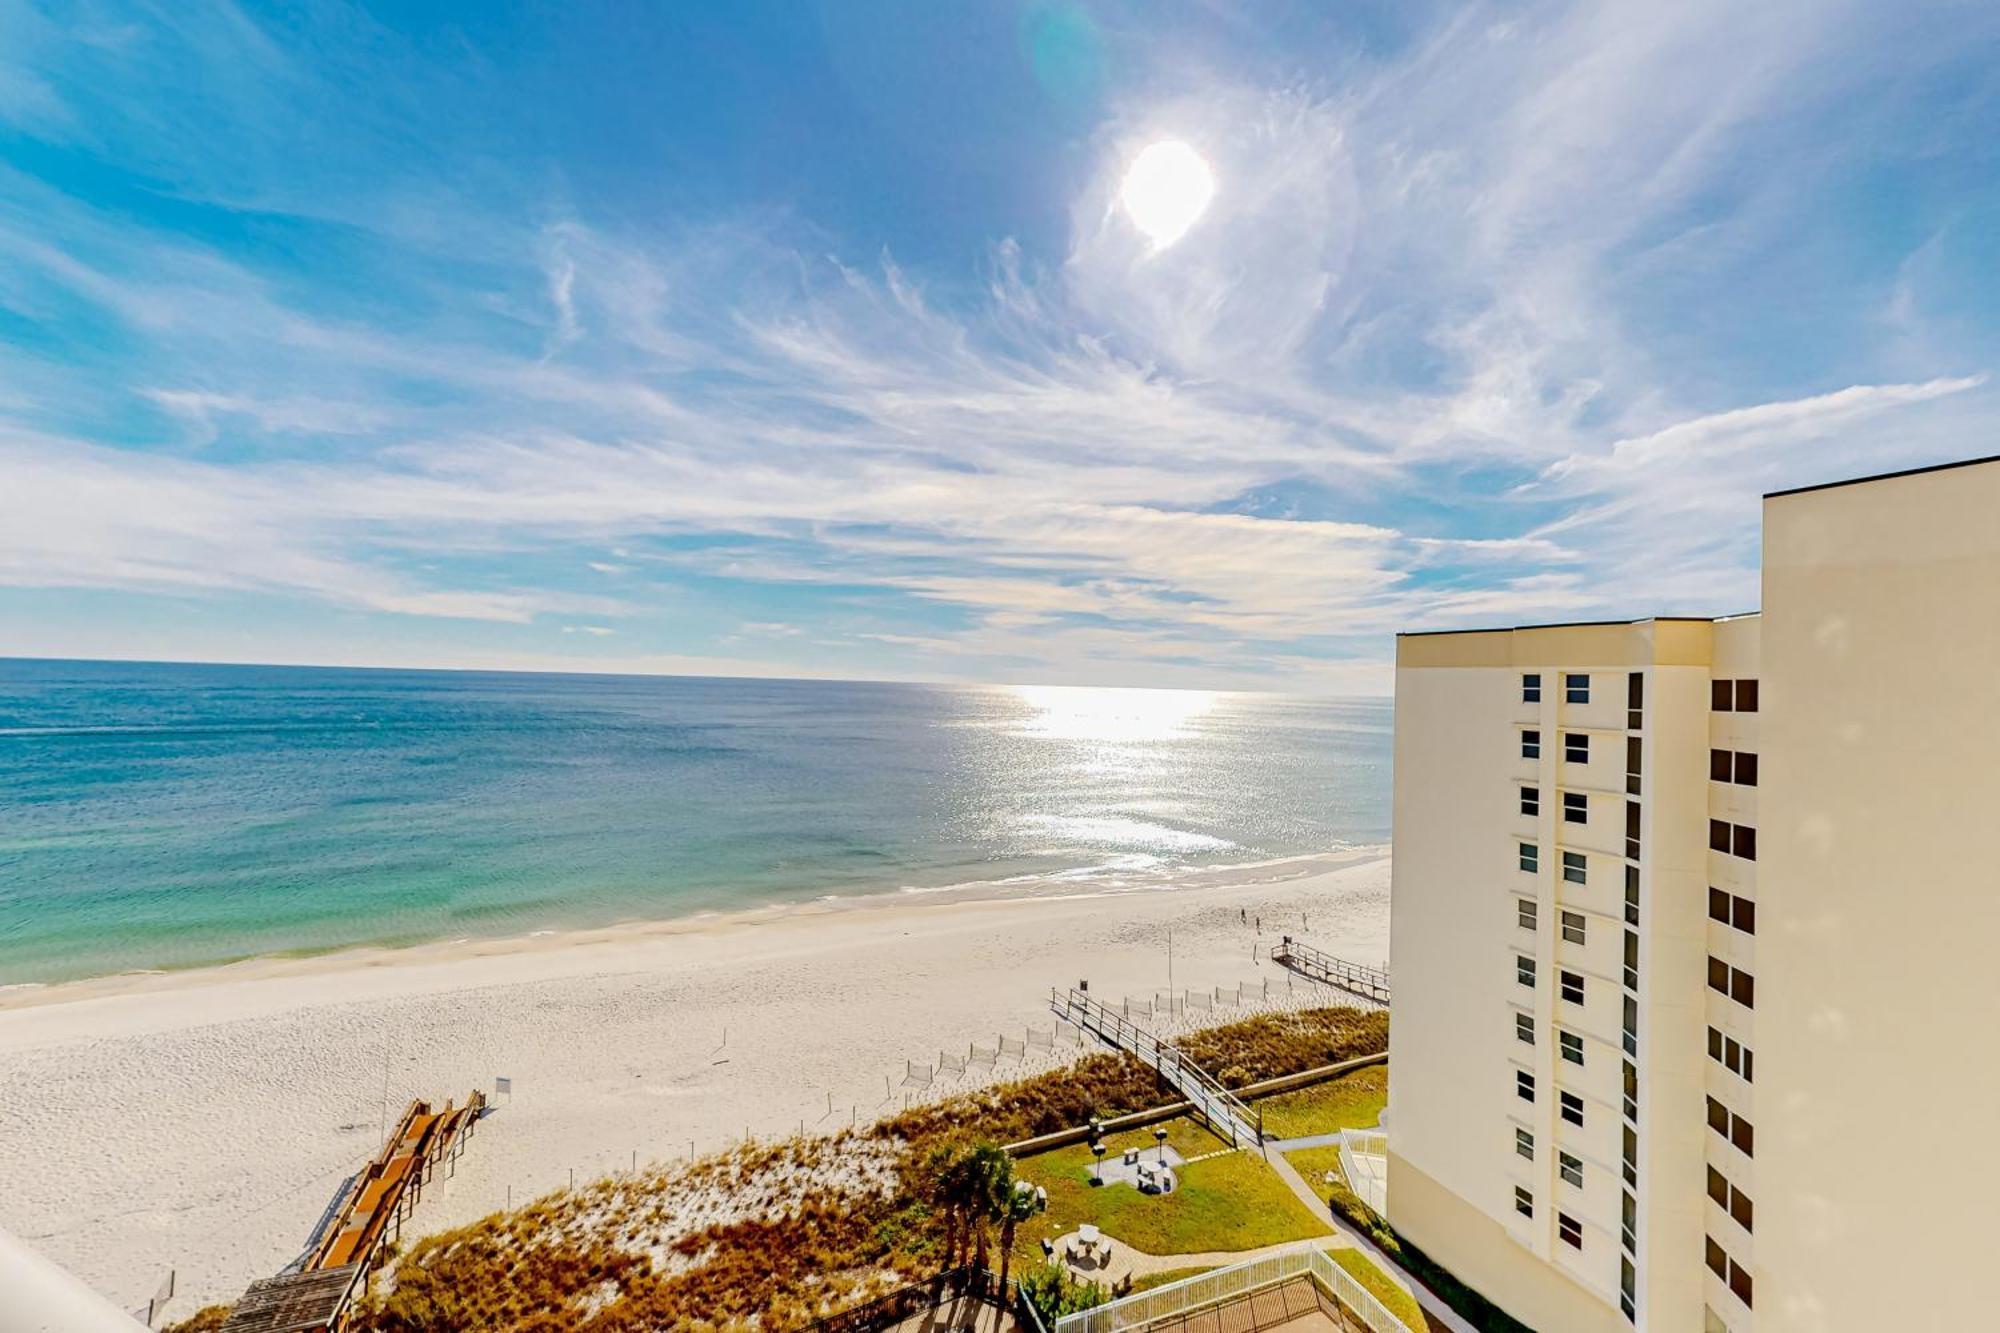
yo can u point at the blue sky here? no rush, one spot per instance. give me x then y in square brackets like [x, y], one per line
[810, 339]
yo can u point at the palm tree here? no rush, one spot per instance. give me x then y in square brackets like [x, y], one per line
[989, 1175]
[1021, 1204]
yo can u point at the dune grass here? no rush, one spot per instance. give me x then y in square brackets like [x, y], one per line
[1352, 1101]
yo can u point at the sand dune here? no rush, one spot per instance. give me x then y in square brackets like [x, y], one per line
[200, 1121]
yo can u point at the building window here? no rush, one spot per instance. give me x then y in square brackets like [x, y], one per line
[1571, 1168]
[1717, 1258]
[1572, 926]
[1737, 767]
[1631, 895]
[1572, 985]
[1746, 769]
[1531, 857]
[1632, 753]
[1576, 748]
[1730, 1053]
[1628, 1289]
[1524, 1085]
[1631, 960]
[1635, 699]
[1733, 1127]
[1629, 1223]
[1631, 1091]
[1576, 808]
[1531, 745]
[1729, 1198]
[1735, 839]
[1733, 696]
[1524, 1144]
[1570, 1230]
[1524, 1202]
[1531, 688]
[1524, 970]
[1572, 1047]
[1531, 801]
[1632, 830]
[1571, 1107]
[1631, 1157]
[1734, 982]
[1730, 910]
[1524, 1028]
[1719, 765]
[1576, 689]
[1575, 868]
[1524, 913]
[1630, 1033]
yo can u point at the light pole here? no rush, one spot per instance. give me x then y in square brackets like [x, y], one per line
[1097, 1167]
[1160, 1137]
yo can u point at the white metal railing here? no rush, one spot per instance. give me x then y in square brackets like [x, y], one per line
[1369, 1179]
[1227, 1285]
[1355, 978]
[1225, 1112]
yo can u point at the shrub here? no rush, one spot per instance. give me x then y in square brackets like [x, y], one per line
[1482, 1313]
[1054, 1292]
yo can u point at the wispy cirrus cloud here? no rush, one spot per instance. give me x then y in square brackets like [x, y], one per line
[1419, 366]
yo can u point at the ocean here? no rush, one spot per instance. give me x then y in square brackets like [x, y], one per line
[159, 816]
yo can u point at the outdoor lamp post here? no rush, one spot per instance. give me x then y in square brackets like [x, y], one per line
[1097, 1168]
[1160, 1137]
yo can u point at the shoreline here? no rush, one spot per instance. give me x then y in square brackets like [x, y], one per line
[1049, 888]
[200, 1120]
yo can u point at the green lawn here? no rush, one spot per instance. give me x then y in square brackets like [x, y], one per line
[1313, 1164]
[1231, 1202]
[1161, 1279]
[1370, 1275]
[1352, 1101]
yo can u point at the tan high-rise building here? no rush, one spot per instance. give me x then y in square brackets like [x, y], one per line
[1693, 924]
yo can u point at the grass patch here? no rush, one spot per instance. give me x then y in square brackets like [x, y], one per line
[1231, 1202]
[1315, 1164]
[1352, 1101]
[1369, 1274]
[1167, 1276]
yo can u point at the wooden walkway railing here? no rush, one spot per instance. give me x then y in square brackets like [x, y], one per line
[1226, 1113]
[1370, 983]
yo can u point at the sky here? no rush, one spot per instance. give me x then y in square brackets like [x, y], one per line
[813, 339]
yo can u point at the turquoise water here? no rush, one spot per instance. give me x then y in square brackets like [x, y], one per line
[158, 816]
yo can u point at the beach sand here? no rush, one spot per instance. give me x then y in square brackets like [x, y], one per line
[200, 1121]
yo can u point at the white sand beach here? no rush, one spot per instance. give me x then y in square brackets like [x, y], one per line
[200, 1121]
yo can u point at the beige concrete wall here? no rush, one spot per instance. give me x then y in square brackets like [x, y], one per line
[1481, 1253]
[1877, 1160]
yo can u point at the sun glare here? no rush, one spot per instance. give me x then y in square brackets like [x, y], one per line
[1166, 190]
[1109, 713]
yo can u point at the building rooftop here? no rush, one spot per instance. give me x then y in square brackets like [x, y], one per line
[1883, 476]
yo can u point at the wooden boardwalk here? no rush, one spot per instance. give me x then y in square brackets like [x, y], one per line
[316, 1293]
[1370, 983]
[1226, 1113]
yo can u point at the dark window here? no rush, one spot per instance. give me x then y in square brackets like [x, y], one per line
[1571, 1169]
[1576, 808]
[1718, 1261]
[1718, 835]
[1740, 1209]
[1572, 1047]
[1531, 857]
[1742, 988]
[1531, 688]
[1524, 971]
[1531, 801]
[1631, 1162]
[1635, 690]
[1570, 1230]
[1628, 1287]
[1745, 918]
[1576, 689]
[1743, 1135]
[1572, 985]
[1631, 830]
[1718, 1187]
[1524, 1144]
[1630, 1032]
[1524, 1202]
[1632, 960]
[1718, 975]
[1746, 842]
[1572, 1108]
[1531, 745]
[1524, 1028]
[1632, 753]
[1572, 927]
[1719, 765]
[1746, 696]
[1746, 769]
[1524, 1085]
[1739, 1282]
[1720, 697]
[1718, 905]
[1631, 895]
[1524, 912]
[1576, 748]
[1718, 1117]
[1575, 868]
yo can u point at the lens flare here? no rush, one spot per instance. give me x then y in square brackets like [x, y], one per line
[1167, 189]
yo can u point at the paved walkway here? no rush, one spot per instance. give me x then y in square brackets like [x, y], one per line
[1118, 1261]
[1439, 1314]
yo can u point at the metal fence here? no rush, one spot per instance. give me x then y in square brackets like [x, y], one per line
[1226, 1286]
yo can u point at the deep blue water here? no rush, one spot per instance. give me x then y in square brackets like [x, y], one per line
[159, 815]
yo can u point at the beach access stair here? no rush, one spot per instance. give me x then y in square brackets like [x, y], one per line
[316, 1292]
[1226, 1113]
[1370, 983]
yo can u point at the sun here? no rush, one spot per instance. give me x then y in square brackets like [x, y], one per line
[1167, 189]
